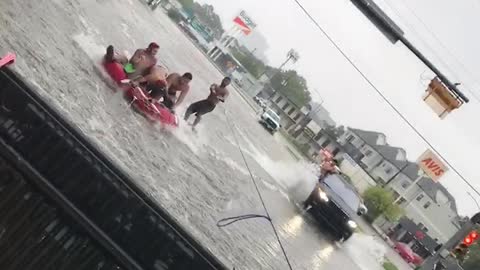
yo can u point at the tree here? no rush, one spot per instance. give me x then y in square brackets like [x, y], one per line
[207, 15]
[379, 201]
[293, 86]
[187, 5]
[175, 15]
[253, 65]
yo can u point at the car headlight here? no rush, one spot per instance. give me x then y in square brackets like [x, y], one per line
[323, 196]
[352, 224]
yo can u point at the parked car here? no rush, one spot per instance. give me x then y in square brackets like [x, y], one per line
[270, 120]
[336, 203]
[417, 259]
[260, 101]
[405, 252]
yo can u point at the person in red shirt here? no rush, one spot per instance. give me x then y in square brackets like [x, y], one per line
[327, 167]
[113, 66]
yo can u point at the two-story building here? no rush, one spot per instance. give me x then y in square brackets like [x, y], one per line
[427, 204]
[288, 111]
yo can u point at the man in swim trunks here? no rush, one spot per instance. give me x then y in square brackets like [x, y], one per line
[176, 83]
[218, 93]
[143, 60]
[155, 82]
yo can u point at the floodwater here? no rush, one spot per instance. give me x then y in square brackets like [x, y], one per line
[200, 178]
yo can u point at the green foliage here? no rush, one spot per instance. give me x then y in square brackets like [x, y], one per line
[207, 15]
[394, 212]
[187, 5]
[174, 15]
[379, 201]
[292, 85]
[249, 61]
[389, 266]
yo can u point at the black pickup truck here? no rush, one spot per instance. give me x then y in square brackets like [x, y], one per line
[336, 203]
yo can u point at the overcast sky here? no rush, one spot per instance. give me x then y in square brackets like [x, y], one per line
[392, 68]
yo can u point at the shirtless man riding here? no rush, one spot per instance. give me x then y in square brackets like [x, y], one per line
[168, 88]
[328, 166]
[218, 93]
[143, 60]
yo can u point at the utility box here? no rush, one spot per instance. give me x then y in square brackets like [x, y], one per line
[439, 97]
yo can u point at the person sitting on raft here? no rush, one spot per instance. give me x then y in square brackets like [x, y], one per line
[113, 65]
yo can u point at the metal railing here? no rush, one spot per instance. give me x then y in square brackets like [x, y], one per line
[85, 191]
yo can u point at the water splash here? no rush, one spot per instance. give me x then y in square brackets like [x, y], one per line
[366, 251]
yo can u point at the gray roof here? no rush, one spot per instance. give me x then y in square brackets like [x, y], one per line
[369, 137]
[411, 170]
[431, 188]
[390, 154]
[352, 151]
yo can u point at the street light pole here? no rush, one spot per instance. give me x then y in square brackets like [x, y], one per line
[473, 198]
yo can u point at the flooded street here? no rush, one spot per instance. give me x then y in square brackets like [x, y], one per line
[199, 178]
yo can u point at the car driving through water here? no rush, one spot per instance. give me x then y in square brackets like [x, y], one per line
[336, 203]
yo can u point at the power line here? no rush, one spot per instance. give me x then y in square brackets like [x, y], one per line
[434, 51]
[230, 220]
[314, 21]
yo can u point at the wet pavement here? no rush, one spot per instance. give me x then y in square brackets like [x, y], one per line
[200, 178]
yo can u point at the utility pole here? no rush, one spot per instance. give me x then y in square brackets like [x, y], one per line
[475, 200]
[304, 122]
[444, 251]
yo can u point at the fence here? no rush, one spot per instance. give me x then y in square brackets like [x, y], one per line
[65, 205]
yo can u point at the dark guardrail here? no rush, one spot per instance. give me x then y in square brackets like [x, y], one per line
[65, 205]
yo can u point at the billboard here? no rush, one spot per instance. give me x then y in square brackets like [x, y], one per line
[432, 165]
[244, 22]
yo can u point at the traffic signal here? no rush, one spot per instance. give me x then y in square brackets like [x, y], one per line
[461, 251]
[470, 238]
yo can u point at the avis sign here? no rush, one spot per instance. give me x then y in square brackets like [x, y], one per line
[432, 165]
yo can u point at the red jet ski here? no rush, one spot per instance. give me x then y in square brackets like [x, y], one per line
[152, 109]
[7, 59]
[140, 98]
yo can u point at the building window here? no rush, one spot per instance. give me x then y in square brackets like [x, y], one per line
[405, 184]
[368, 153]
[285, 106]
[325, 143]
[350, 138]
[402, 201]
[420, 197]
[278, 100]
[292, 110]
[427, 205]
[297, 116]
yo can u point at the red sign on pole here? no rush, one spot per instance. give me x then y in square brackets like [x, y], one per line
[244, 22]
[432, 165]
